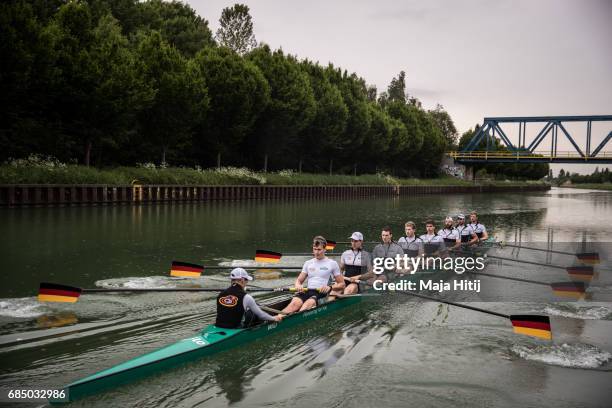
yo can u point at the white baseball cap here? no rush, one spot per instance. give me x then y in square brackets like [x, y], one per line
[357, 236]
[240, 273]
[461, 217]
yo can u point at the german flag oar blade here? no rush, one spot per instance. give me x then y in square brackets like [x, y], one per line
[52, 292]
[532, 325]
[262, 255]
[330, 245]
[575, 290]
[186, 270]
[584, 273]
[588, 257]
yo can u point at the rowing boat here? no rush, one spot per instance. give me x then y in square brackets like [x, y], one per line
[209, 341]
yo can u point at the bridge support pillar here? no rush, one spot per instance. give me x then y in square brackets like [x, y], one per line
[469, 173]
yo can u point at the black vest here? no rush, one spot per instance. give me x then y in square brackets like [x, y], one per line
[230, 309]
[465, 238]
[352, 270]
[478, 234]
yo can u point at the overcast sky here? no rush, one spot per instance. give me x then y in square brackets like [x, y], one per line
[477, 58]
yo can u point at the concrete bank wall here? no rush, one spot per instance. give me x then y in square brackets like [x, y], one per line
[62, 195]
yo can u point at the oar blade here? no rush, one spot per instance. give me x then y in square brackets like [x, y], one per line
[330, 245]
[588, 257]
[532, 325]
[574, 290]
[263, 255]
[583, 273]
[53, 292]
[186, 270]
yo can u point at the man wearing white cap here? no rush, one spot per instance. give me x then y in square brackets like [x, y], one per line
[318, 272]
[466, 233]
[236, 308]
[356, 264]
[450, 234]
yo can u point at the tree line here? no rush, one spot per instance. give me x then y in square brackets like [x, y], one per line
[118, 82]
[598, 176]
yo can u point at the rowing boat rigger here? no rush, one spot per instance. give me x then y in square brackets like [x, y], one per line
[209, 341]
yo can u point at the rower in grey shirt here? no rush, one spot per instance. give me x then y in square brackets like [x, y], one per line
[388, 248]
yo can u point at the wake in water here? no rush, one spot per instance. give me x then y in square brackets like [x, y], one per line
[573, 311]
[148, 282]
[22, 308]
[565, 355]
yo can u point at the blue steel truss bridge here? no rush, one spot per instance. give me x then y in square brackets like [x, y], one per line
[491, 144]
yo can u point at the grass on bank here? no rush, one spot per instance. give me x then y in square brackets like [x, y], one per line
[37, 170]
[591, 186]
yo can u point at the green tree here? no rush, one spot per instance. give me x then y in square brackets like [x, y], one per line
[96, 85]
[178, 24]
[239, 93]
[292, 105]
[180, 100]
[445, 124]
[397, 88]
[236, 29]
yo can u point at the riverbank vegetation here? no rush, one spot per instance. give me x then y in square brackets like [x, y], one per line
[112, 83]
[39, 170]
[598, 180]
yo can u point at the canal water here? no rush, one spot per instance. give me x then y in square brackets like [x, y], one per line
[389, 351]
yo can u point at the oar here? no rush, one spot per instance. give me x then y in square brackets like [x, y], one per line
[589, 257]
[530, 325]
[574, 290]
[579, 272]
[53, 292]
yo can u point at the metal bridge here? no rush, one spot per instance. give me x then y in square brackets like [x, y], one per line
[490, 134]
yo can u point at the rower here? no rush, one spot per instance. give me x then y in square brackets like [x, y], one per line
[433, 245]
[236, 308]
[479, 229]
[356, 264]
[450, 234]
[410, 243]
[387, 249]
[317, 271]
[466, 233]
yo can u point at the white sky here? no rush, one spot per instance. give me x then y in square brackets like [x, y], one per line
[475, 57]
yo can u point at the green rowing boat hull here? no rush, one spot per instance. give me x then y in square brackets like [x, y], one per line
[209, 341]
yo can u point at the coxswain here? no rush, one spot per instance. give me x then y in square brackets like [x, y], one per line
[410, 243]
[433, 245]
[478, 228]
[317, 271]
[466, 233]
[236, 308]
[387, 249]
[450, 234]
[356, 264]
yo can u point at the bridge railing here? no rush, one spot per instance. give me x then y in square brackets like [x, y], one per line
[492, 154]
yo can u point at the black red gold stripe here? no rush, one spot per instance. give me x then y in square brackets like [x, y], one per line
[185, 269]
[330, 245]
[262, 255]
[569, 289]
[588, 256]
[52, 292]
[532, 325]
